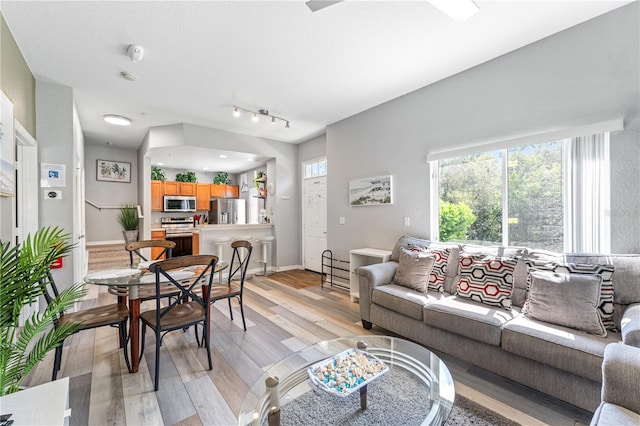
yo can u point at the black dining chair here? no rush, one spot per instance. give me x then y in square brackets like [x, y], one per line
[237, 274]
[115, 315]
[187, 309]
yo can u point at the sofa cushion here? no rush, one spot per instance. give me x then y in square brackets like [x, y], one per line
[404, 300]
[488, 280]
[570, 350]
[570, 300]
[404, 241]
[441, 255]
[614, 415]
[605, 271]
[414, 270]
[467, 318]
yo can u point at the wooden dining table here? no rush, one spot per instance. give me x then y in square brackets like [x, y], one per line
[127, 282]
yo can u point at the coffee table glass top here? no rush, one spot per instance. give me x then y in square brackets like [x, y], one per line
[417, 389]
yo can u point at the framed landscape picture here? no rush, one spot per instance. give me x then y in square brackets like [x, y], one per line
[113, 171]
[372, 191]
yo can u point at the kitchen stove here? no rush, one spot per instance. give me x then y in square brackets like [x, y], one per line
[177, 226]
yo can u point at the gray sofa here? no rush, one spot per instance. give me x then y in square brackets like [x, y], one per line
[559, 361]
[620, 387]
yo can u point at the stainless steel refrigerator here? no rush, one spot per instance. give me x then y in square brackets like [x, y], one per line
[227, 211]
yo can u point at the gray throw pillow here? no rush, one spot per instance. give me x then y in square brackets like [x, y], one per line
[569, 300]
[414, 269]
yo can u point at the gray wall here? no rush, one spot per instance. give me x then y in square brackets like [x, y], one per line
[588, 73]
[102, 225]
[312, 149]
[55, 127]
[17, 82]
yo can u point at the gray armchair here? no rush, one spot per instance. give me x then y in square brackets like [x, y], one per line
[620, 387]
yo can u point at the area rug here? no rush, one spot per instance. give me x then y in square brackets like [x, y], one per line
[297, 278]
[401, 401]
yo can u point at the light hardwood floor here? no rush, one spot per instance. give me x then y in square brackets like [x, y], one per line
[280, 321]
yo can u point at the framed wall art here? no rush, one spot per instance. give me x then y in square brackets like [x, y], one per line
[113, 171]
[372, 191]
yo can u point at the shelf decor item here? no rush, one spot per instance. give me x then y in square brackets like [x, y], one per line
[372, 191]
[24, 267]
[113, 171]
[129, 220]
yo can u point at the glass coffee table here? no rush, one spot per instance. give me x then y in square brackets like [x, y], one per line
[416, 389]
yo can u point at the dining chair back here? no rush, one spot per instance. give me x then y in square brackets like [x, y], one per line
[237, 273]
[115, 315]
[189, 308]
[165, 249]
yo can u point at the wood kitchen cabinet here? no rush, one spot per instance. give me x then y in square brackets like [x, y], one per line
[217, 190]
[225, 191]
[157, 191]
[203, 195]
[171, 187]
[232, 191]
[195, 243]
[157, 235]
[187, 188]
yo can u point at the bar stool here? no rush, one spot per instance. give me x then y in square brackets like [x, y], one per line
[243, 238]
[266, 252]
[220, 243]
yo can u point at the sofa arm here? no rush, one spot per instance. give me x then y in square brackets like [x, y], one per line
[369, 277]
[631, 325]
[621, 376]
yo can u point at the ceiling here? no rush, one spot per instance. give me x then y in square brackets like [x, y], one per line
[314, 69]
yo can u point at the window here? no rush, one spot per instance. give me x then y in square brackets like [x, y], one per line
[525, 196]
[315, 169]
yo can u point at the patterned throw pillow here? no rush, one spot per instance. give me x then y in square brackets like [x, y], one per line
[439, 271]
[413, 270]
[487, 280]
[605, 305]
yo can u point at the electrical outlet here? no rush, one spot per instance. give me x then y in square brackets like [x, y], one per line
[407, 221]
[342, 220]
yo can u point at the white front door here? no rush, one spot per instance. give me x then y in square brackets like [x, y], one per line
[314, 222]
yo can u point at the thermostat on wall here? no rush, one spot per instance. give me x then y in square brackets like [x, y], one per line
[52, 194]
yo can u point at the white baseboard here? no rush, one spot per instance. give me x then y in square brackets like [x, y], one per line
[104, 243]
[288, 268]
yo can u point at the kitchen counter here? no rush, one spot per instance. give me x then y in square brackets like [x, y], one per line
[208, 234]
[244, 226]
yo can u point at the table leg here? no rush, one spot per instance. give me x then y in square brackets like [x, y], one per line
[363, 397]
[134, 327]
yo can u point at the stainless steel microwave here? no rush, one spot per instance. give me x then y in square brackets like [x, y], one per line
[176, 203]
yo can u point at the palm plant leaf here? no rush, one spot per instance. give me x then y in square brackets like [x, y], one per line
[24, 270]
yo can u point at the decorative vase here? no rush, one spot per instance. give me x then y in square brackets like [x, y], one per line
[130, 236]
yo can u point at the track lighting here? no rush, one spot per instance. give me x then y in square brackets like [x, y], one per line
[256, 115]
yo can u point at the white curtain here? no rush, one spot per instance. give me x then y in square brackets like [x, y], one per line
[587, 195]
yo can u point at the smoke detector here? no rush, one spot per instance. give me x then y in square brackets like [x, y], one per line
[135, 52]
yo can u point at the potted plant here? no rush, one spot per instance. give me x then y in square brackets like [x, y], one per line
[157, 173]
[129, 220]
[24, 267]
[222, 178]
[188, 176]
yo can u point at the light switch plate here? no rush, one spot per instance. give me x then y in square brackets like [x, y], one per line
[407, 221]
[342, 220]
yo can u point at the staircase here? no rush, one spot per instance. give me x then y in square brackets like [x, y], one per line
[107, 256]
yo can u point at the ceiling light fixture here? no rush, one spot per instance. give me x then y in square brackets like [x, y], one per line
[222, 156]
[257, 114]
[128, 76]
[118, 120]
